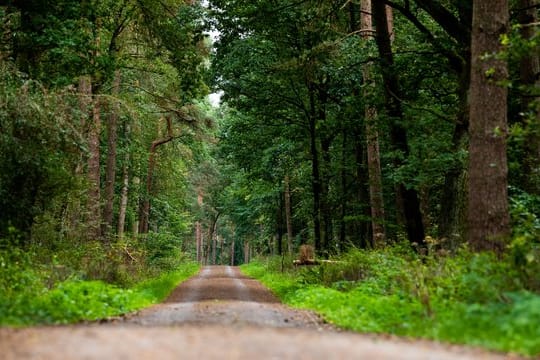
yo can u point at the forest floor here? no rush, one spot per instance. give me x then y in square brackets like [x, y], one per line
[219, 313]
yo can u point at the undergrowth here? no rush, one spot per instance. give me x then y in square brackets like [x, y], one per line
[473, 299]
[89, 282]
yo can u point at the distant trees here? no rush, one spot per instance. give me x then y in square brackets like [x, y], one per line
[325, 136]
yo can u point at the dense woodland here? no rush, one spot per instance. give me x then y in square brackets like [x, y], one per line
[342, 124]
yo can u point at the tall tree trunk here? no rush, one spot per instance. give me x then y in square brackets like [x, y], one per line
[145, 207]
[198, 229]
[344, 192]
[363, 231]
[136, 222]
[110, 172]
[233, 245]
[326, 208]
[372, 138]
[93, 173]
[74, 209]
[530, 78]
[247, 253]
[315, 173]
[288, 214]
[212, 238]
[122, 209]
[488, 219]
[409, 196]
[279, 223]
[453, 198]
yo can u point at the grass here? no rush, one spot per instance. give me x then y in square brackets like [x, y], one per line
[472, 299]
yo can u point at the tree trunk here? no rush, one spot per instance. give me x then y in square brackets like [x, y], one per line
[344, 197]
[326, 209]
[372, 139]
[288, 214]
[530, 78]
[315, 174]
[137, 187]
[110, 172]
[409, 196]
[488, 219]
[123, 199]
[233, 244]
[198, 230]
[451, 217]
[74, 209]
[145, 207]
[212, 239]
[247, 253]
[93, 173]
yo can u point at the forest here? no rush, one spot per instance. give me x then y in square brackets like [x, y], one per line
[398, 139]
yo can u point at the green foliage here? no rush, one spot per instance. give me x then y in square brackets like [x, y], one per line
[525, 244]
[29, 294]
[467, 298]
[37, 141]
[163, 250]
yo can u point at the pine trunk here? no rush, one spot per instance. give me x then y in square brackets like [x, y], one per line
[288, 214]
[198, 230]
[93, 173]
[122, 210]
[144, 213]
[407, 195]
[110, 172]
[530, 77]
[372, 139]
[488, 219]
[315, 174]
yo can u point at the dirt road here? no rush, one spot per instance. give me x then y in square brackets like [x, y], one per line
[219, 314]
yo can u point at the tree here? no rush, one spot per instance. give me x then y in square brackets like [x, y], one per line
[407, 195]
[372, 139]
[488, 218]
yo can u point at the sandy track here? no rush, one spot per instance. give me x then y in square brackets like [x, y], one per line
[219, 314]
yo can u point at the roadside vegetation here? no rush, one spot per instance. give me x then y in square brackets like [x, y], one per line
[463, 298]
[68, 285]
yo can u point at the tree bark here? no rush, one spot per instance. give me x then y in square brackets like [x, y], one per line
[453, 198]
[198, 230]
[409, 196]
[372, 139]
[288, 214]
[122, 210]
[233, 244]
[145, 208]
[530, 78]
[315, 174]
[93, 173]
[110, 172]
[488, 218]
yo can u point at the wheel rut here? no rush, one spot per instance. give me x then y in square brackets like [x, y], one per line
[222, 295]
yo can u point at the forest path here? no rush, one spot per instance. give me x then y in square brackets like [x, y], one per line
[218, 314]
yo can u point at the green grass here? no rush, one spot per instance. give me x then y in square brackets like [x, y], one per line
[72, 301]
[471, 299]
